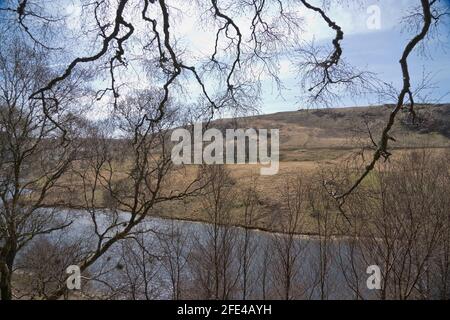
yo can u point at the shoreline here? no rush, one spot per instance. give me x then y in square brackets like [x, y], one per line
[297, 235]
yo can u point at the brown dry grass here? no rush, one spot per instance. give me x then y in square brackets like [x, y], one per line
[309, 141]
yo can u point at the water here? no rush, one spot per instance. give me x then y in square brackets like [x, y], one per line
[118, 266]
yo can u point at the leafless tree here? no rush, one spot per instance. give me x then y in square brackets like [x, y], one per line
[288, 251]
[426, 16]
[322, 210]
[404, 227]
[176, 251]
[139, 276]
[42, 266]
[34, 154]
[118, 201]
[247, 244]
[214, 265]
[252, 35]
[40, 142]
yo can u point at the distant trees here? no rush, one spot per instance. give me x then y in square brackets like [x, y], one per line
[138, 270]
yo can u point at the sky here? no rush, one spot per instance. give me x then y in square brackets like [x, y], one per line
[378, 52]
[375, 50]
[373, 41]
[370, 45]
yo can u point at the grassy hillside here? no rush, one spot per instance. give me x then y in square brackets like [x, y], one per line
[310, 140]
[327, 134]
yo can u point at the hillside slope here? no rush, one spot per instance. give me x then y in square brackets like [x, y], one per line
[326, 134]
[311, 140]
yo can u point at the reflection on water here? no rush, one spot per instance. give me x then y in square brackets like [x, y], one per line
[317, 267]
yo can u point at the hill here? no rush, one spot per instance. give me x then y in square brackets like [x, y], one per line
[327, 134]
[311, 140]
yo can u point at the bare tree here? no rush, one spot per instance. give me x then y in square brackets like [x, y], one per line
[214, 262]
[404, 227]
[139, 269]
[176, 254]
[288, 251]
[34, 155]
[429, 13]
[42, 266]
[139, 189]
[247, 244]
[323, 211]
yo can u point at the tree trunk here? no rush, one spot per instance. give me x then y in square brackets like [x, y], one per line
[6, 266]
[5, 284]
[5, 281]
